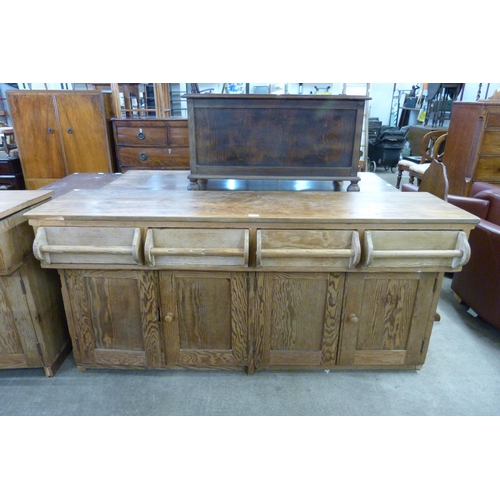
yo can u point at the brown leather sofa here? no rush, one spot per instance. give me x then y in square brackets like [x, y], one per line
[478, 284]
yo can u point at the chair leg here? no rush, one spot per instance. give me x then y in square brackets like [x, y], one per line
[400, 175]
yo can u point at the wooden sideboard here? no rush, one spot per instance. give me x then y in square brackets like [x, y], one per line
[151, 144]
[472, 151]
[59, 132]
[163, 279]
[274, 137]
[33, 329]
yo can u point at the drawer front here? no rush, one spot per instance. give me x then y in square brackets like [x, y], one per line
[146, 136]
[301, 249]
[491, 143]
[88, 245]
[183, 248]
[10, 167]
[493, 120]
[446, 250]
[153, 157]
[488, 169]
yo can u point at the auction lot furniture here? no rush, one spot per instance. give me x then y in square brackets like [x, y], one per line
[59, 132]
[33, 330]
[472, 152]
[164, 278]
[255, 136]
[151, 144]
[11, 173]
[478, 285]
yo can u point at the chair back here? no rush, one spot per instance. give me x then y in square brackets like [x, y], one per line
[435, 180]
[432, 145]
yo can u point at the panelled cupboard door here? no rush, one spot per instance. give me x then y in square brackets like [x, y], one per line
[113, 318]
[205, 318]
[84, 132]
[298, 319]
[386, 318]
[37, 135]
[18, 343]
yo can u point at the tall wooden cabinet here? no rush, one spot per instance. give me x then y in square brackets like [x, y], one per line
[472, 151]
[61, 132]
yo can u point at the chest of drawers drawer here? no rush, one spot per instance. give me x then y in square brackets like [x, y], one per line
[153, 157]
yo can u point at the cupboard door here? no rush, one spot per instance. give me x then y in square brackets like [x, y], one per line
[37, 136]
[18, 343]
[113, 318]
[205, 318]
[298, 318]
[84, 133]
[383, 324]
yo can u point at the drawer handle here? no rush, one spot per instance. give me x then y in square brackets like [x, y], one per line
[353, 253]
[42, 250]
[143, 156]
[169, 151]
[353, 318]
[50, 131]
[70, 131]
[169, 318]
[151, 251]
[460, 255]
[141, 135]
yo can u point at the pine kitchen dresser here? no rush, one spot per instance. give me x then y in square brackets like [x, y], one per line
[168, 278]
[33, 329]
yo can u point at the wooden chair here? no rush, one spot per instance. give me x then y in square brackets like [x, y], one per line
[432, 146]
[434, 181]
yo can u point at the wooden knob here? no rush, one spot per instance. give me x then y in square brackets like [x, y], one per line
[169, 318]
[353, 318]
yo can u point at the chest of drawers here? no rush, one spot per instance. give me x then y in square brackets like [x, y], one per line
[151, 144]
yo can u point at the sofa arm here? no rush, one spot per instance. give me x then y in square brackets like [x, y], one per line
[475, 206]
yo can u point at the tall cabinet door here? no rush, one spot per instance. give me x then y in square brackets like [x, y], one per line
[113, 318]
[84, 132]
[38, 137]
[383, 321]
[298, 319]
[204, 317]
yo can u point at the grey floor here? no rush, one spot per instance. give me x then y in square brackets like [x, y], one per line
[461, 376]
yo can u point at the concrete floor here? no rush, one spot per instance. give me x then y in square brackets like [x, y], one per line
[460, 377]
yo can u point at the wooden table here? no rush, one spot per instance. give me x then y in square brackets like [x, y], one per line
[160, 278]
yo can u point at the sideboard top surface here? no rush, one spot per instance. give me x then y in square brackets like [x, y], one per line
[14, 201]
[109, 204]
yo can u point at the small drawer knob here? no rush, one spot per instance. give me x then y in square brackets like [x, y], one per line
[169, 318]
[169, 151]
[141, 135]
[70, 131]
[50, 131]
[143, 156]
[353, 318]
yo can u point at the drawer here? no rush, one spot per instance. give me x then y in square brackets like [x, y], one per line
[491, 143]
[148, 136]
[332, 249]
[10, 167]
[153, 157]
[447, 250]
[178, 247]
[88, 245]
[16, 240]
[488, 169]
[493, 120]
